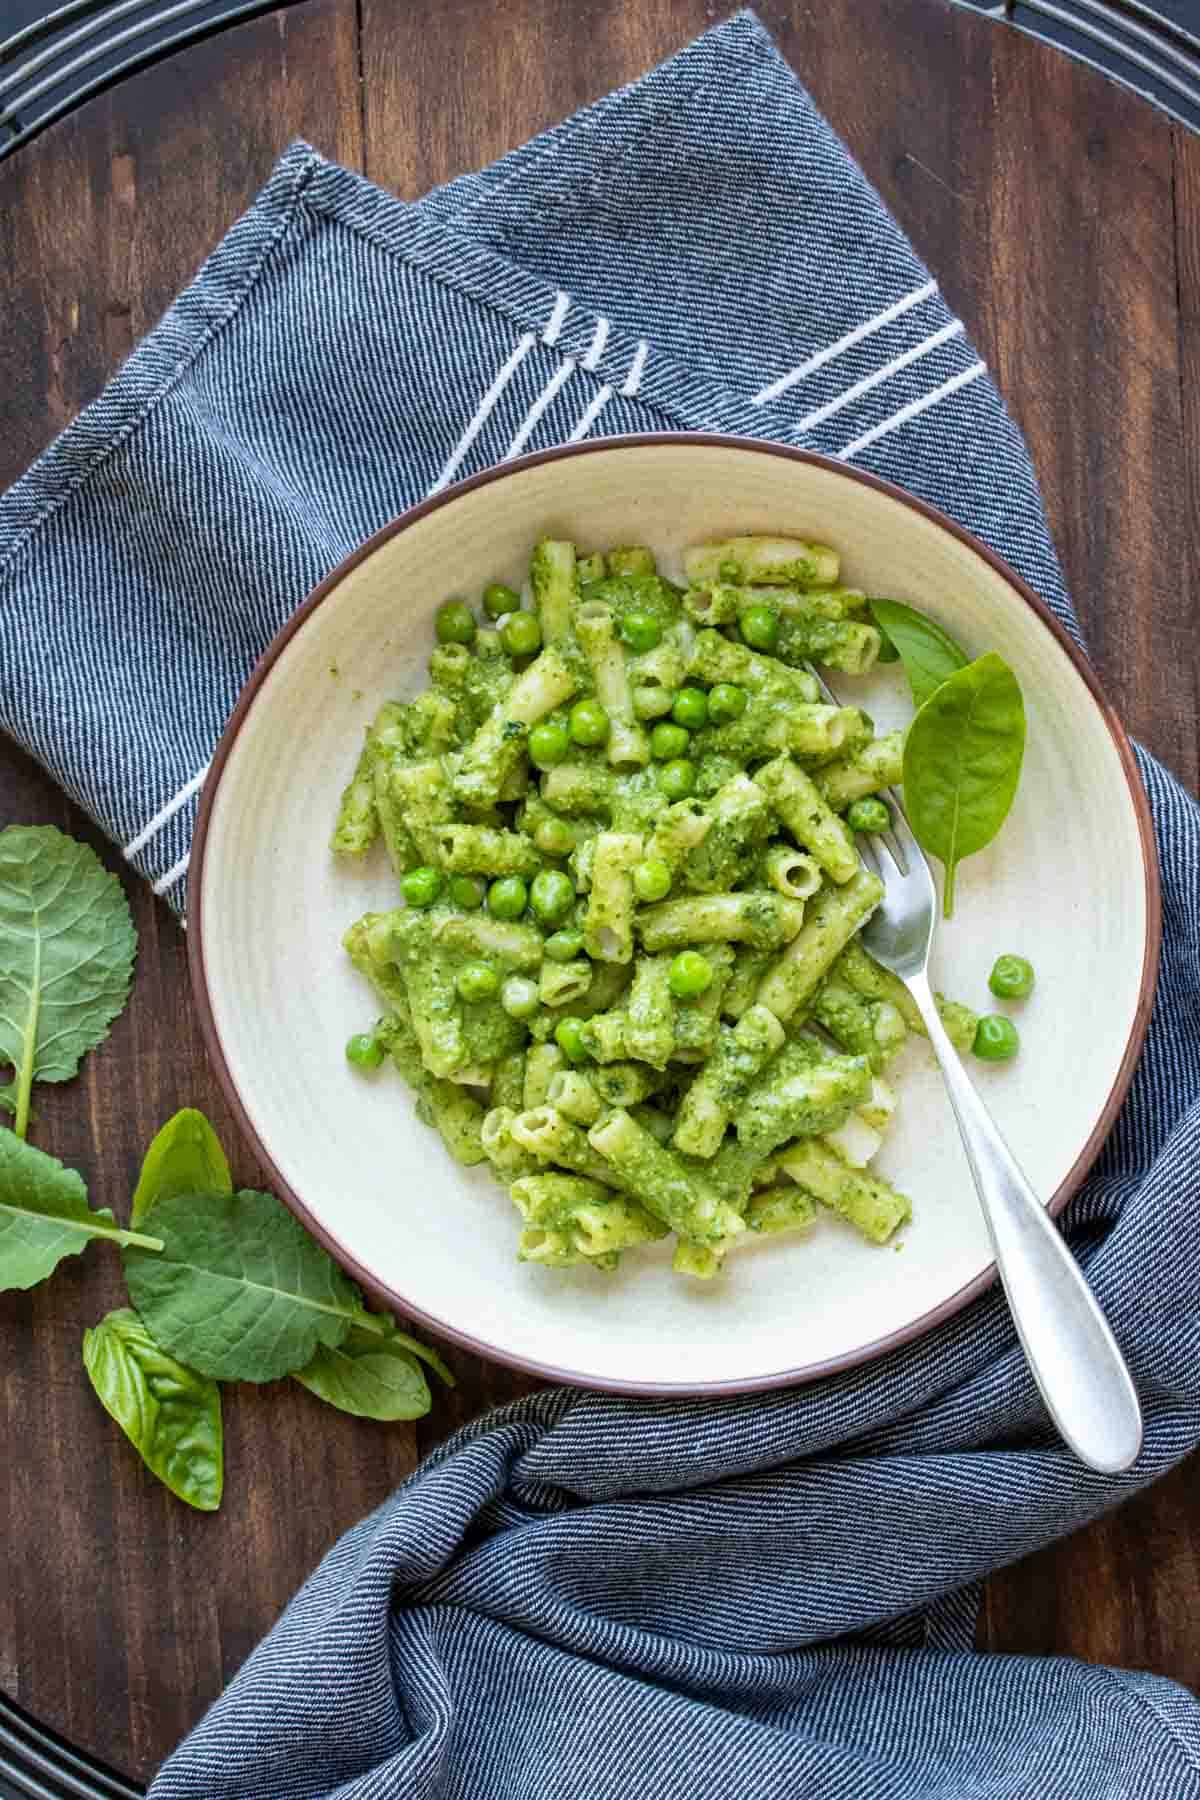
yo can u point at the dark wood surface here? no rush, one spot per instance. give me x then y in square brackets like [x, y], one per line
[1063, 217]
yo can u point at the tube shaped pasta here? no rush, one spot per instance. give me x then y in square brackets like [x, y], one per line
[738, 1058]
[546, 1133]
[798, 1097]
[714, 659]
[872, 1206]
[741, 821]
[777, 723]
[499, 744]
[542, 1063]
[683, 826]
[749, 967]
[846, 644]
[757, 916]
[422, 797]
[594, 1220]
[855, 1142]
[811, 822]
[832, 917]
[856, 968]
[631, 559]
[595, 626]
[575, 788]
[608, 923]
[508, 1081]
[624, 1083]
[781, 1209]
[357, 824]
[606, 1036]
[518, 948]
[724, 602]
[482, 849]
[507, 1158]
[762, 559]
[553, 580]
[650, 1017]
[792, 873]
[573, 1095]
[664, 1184]
[398, 839]
[877, 764]
[870, 1028]
[560, 983]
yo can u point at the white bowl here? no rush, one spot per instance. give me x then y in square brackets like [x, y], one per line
[1071, 882]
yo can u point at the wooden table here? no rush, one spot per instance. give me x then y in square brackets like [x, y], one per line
[1063, 217]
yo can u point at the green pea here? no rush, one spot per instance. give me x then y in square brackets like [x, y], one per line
[690, 975]
[677, 779]
[554, 837]
[996, 1038]
[477, 981]
[651, 879]
[589, 723]
[869, 815]
[521, 634]
[519, 997]
[759, 626]
[421, 886]
[507, 897]
[726, 702]
[364, 1050]
[667, 741]
[455, 623]
[548, 744]
[467, 891]
[564, 946]
[691, 708]
[499, 600]
[641, 631]
[568, 1035]
[552, 895]
[1012, 978]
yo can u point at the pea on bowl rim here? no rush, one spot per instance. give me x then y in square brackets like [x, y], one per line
[390, 1297]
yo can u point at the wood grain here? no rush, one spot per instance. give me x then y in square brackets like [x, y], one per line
[1063, 218]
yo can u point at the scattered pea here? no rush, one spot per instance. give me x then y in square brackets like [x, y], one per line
[507, 897]
[651, 879]
[467, 891]
[691, 708]
[667, 741]
[726, 702]
[364, 1050]
[519, 997]
[551, 895]
[554, 837]
[1012, 978]
[568, 1035]
[690, 974]
[677, 779]
[498, 600]
[589, 723]
[521, 634]
[548, 744]
[641, 631]
[477, 981]
[759, 626]
[455, 623]
[564, 946]
[421, 886]
[996, 1038]
[869, 814]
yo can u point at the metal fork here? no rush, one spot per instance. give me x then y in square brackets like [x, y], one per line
[1071, 1352]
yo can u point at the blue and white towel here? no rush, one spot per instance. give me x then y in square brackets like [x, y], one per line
[582, 1595]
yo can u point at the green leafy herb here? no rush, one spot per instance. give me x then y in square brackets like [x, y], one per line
[44, 1215]
[184, 1158]
[374, 1377]
[69, 945]
[240, 1292]
[171, 1415]
[929, 654]
[962, 762]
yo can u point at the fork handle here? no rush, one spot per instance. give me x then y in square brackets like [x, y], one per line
[1074, 1357]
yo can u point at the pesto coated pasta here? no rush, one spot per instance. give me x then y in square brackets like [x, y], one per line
[625, 976]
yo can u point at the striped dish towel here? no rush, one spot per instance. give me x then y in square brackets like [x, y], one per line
[584, 1595]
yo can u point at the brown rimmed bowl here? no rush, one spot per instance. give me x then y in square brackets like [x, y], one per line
[1071, 882]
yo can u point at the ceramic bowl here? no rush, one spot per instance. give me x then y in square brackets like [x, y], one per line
[1070, 882]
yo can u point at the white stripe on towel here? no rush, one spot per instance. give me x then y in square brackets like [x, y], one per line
[633, 380]
[866, 330]
[529, 423]
[554, 323]
[851, 394]
[913, 409]
[596, 347]
[480, 416]
[166, 812]
[595, 407]
[166, 882]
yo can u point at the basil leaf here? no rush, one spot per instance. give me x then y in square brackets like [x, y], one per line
[374, 1377]
[44, 1215]
[240, 1292]
[68, 945]
[171, 1415]
[184, 1158]
[962, 762]
[929, 654]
